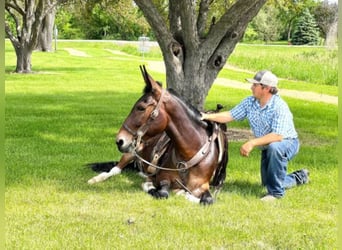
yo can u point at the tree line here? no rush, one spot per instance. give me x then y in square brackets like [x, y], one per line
[297, 22]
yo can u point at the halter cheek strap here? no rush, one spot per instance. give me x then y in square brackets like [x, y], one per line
[155, 112]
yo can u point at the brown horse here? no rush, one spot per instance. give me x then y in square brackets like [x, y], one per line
[197, 152]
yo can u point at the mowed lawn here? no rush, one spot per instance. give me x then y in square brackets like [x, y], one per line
[66, 114]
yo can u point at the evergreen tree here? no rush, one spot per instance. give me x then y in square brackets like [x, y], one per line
[306, 30]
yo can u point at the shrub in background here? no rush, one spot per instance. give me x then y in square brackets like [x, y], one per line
[306, 31]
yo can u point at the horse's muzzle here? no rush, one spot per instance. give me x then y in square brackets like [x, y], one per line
[124, 147]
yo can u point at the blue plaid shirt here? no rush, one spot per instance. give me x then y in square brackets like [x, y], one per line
[274, 117]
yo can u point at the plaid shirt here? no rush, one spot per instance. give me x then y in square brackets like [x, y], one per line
[274, 117]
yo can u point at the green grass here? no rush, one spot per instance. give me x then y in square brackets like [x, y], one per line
[310, 64]
[67, 114]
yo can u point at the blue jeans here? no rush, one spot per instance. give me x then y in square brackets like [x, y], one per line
[274, 159]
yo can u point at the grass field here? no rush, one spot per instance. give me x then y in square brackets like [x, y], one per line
[67, 113]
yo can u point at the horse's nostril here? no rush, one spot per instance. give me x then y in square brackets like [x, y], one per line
[119, 142]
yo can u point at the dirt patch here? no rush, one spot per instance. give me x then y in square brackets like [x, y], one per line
[118, 52]
[234, 134]
[75, 52]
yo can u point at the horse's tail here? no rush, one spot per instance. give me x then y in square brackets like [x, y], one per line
[107, 166]
[221, 171]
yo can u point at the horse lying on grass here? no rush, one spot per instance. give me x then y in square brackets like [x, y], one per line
[173, 147]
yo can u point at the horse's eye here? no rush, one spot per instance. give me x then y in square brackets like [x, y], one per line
[141, 108]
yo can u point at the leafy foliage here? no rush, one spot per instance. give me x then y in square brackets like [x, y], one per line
[110, 19]
[265, 25]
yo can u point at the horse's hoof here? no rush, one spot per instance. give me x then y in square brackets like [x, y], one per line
[163, 194]
[159, 194]
[153, 192]
[207, 201]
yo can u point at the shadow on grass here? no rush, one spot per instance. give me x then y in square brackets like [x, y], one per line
[243, 188]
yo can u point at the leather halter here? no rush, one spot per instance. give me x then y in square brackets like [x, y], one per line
[144, 127]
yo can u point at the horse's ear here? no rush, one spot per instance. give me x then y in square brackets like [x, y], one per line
[151, 84]
[145, 75]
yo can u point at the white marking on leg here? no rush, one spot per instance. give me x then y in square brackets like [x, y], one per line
[147, 186]
[104, 175]
[180, 192]
[141, 174]
[114, 171]
[192, 198]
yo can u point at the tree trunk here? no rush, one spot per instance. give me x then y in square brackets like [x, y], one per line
[23, 60]
[46, 34]
[331, 37]
[194, 54]
[289, 31]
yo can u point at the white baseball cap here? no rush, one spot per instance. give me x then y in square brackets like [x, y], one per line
[265, 77]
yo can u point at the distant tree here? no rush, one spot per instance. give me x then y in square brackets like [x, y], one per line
[266, 24]
[306, 30]
[28, 19]
[326, 15]
[65, 22]
[102, 19]
[290, 11]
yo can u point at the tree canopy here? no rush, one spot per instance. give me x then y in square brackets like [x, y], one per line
[123, 20]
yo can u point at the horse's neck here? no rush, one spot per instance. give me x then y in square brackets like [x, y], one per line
[187, 136]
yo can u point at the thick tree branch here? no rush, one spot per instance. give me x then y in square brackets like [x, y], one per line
[203, 17]
[15, 6]
[174, 18]
[36, 23]
[17, 24]
[231, 22]
[188, 22]
[10, 35]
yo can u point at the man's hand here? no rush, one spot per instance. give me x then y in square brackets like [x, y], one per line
[246, 148]
[202, 116]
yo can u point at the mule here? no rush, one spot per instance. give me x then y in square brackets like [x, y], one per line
[196, 154]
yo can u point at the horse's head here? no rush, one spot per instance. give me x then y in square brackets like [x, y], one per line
[146, 119]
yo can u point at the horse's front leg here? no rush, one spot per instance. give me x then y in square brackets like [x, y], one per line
[124, 161]
[206, 198]
[201, 195]
[161, 193]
